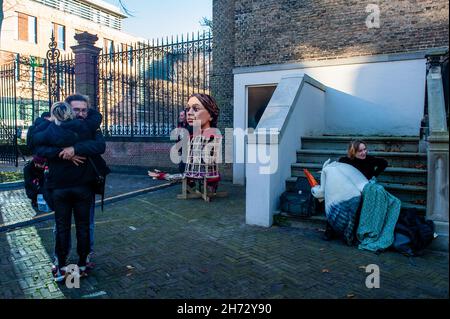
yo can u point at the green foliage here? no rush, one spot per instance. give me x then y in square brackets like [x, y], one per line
[10, 177]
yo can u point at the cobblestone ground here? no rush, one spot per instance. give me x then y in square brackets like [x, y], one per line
[155, 246]
[15, 207]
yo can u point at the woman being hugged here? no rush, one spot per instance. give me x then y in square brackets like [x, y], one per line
[70, 183]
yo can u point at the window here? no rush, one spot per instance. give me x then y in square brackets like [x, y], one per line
[108, 46]
[59, 31]
[258, 98]
[27, 26]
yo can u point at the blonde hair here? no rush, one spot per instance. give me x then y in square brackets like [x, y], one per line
[62, 112]
[353, 148]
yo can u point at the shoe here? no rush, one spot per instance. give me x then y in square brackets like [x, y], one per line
[59, 274]
[55, 266]
[89, 261]
[83, 271]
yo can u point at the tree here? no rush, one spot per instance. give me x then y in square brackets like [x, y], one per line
[206, 22]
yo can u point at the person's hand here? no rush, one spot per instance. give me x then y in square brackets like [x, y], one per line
[67, 153]
[77, 160]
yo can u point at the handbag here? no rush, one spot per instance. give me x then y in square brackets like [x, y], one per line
[99, 184]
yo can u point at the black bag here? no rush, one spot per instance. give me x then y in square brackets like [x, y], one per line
[301, 202]
[413, 233]
[100, 180]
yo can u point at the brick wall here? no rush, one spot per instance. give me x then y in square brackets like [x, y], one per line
[141, 156]
[283, 31]
[223, 64]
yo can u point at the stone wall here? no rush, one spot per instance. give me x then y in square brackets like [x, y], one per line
[138, 157]
[223, 64]
[139, 154]
[284, 31]
[223, 60]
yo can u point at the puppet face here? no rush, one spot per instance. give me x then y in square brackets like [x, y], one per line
[195, 111]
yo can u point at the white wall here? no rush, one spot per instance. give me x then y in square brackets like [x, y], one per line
[380, 98]
[296, 108]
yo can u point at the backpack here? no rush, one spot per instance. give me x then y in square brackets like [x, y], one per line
[412, 233]
[101, 170]
[300, 202]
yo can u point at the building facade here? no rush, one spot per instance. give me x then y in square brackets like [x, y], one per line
[369, 54]
[28, 25]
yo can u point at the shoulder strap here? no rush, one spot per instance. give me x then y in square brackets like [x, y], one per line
[93, 165]
[98, 174]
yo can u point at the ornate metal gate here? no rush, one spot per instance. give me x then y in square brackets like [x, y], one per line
[142, 88]
[8, 115]
[28, 86]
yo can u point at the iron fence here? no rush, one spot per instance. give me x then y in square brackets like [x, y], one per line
[37, 89]
[143, 87]
[8, 115]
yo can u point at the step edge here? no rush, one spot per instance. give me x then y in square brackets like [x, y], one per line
[394, 169]
[365, 138]
[375, 153]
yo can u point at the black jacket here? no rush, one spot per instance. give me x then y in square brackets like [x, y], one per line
[370, 166]
[33, 180]
[63, 173]
[31, 130]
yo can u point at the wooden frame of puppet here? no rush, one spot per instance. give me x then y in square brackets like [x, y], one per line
[201, 176]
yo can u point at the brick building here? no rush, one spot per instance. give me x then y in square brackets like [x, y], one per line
[338, 42]
[28, 25]
[319, 68]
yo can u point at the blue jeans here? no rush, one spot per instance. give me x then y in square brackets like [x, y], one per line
[91, 229]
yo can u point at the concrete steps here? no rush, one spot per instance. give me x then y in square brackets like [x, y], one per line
[376, 143]
[396, 175]
[395, 159]
[405, 178]
[408, 194]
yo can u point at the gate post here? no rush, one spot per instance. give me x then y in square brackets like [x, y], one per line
[86, 54]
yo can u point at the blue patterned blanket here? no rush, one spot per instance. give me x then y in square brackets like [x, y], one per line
[379, 214]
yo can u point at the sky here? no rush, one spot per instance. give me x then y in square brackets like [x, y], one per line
[156, 19]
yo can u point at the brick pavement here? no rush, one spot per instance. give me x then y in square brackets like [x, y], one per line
[154, 246]
[16, 208]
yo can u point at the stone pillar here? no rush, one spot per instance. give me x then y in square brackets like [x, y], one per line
[438, 180]
[86, 54]
[437, 153]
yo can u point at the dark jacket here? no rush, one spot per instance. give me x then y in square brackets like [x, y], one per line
[33, 180]
[64, 135]
[31, 130]
[370, 166]
[86, 142]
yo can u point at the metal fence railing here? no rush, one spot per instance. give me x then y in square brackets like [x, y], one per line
[143, 87]
[8, 115]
